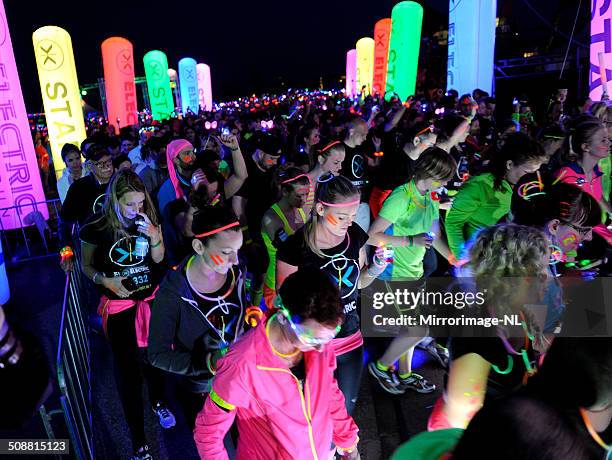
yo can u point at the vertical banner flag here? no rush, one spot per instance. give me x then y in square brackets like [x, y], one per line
[601, 43]
[60, 90]
[118, 63]
[471, 45]
[204, 86]
[382, 35]
[351, 73]
[158, 83]
[20, 183]
[365, 64]
[406, 22]
[188, 84]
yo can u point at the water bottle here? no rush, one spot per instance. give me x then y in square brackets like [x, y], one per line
[142, 247]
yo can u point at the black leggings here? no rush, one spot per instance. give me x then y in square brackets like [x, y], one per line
[348, 375]
[130, 367]
[191, 404]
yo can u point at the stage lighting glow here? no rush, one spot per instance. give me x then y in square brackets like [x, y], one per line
[404, 46]
[60, 90]
[118, 63]
[158, 83]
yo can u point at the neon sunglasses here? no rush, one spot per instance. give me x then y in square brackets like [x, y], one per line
[304, 337]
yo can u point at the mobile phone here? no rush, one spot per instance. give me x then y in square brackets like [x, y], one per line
[129, 284]
[225, 131]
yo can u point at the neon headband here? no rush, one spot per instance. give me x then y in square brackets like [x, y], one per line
[295, 178]
[340, 205]
[328, 146]
[217, 230]
[430, 128]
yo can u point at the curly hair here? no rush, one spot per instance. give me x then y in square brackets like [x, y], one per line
[502, 256]
[310, 294]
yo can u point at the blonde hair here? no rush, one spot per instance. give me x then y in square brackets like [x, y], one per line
[124, 181]
[507, 251]
[330, 189]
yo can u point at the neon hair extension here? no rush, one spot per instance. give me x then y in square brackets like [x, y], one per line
[218, 230]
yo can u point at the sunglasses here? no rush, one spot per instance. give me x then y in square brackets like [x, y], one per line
[305, 337]
[210, 125]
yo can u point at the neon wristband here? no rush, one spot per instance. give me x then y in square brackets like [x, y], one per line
[348, 449]
[157, 244]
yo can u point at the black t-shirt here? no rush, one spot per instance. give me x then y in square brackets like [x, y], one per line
[341, 264]
[354, 166]
[257, 190]
[492, 349]
[120, 257]
[222, 310]
[394, 170]
[84, 198]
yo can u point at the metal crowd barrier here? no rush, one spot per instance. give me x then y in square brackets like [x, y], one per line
[74, 364]
[37, 237]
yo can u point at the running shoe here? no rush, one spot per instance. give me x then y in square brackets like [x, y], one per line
[416, 383]
[142, 454]
[386, 379]
[166, 418]
[439, 352]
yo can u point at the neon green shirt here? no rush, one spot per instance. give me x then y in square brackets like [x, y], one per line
[476, 206]
[410, 213]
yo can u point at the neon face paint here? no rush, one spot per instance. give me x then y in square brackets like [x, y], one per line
[217, 260]
[331, 219]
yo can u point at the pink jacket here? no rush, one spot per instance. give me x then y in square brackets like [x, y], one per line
[277, 419]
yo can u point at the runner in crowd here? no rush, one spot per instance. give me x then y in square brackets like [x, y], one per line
[409, 222]
[252, 201]
[485, 199]
[282, 220]
[73, 171]
[283, 372]
[199, 309]
[335, 244]
[510, 263]
[121, 250]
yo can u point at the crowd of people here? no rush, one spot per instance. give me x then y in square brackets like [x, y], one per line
[230, 248]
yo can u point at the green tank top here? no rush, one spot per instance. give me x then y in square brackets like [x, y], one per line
[270, 279]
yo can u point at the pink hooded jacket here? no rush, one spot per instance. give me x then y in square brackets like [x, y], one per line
[174, 148]
[277, 418]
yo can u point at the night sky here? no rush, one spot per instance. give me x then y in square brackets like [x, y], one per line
[250, 46]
